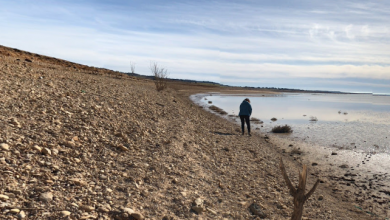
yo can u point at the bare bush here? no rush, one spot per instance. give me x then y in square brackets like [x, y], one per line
[314, 119]
[160, 76]
[282, 129]
[132, 67]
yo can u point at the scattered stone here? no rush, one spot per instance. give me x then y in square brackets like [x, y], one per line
[122, 147]
[321, 197]
[65, 213]
[137, 216]
[86, 208]
[54, 152]
[104, 208]
[197, 205]
[314, 164]
[46, 197]
[257, 210]
[4, 147]
[3, 197]
[14, 211]
[211, 211]
[46, 151]
[37, 148]
[21, 215]
[334, 153]
[128, 211]
[15, 122]
[78, 182]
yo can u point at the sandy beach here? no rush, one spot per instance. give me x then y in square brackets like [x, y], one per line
[80, 142]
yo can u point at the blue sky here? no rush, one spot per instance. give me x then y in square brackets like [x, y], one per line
[326, 45]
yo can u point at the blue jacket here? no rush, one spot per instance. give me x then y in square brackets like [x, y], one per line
[245, 108]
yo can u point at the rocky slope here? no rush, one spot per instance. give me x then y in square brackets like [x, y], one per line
[83, 143]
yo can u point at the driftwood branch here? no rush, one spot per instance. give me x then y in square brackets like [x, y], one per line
[299, 193]
[293, 191]
[312, 189]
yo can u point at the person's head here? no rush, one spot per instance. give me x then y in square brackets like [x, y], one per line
[247, 100]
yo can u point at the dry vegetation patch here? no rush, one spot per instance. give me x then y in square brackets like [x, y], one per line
[282, 129]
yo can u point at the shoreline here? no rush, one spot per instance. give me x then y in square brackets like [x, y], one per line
[334, 166]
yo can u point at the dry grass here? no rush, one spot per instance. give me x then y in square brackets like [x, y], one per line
[282, 129]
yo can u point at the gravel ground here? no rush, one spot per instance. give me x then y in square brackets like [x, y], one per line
[78, 142]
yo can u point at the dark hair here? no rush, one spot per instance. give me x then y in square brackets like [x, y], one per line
[247, 100]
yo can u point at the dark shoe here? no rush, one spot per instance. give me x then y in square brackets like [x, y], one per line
[249, 135]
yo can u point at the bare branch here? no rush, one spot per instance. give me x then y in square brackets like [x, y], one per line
[132, 67]
[293, 191]
[160, 76]
[312, 190]
[302, 179]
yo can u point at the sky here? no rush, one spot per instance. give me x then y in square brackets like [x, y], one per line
[307, 44]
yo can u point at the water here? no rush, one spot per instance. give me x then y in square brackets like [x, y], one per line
[350, 139]
[357, 122]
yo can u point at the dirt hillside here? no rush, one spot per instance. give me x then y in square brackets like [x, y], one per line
[79, 142]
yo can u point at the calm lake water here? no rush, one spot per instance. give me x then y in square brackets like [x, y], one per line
[357, 122]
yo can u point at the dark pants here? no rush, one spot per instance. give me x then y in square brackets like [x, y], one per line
[245, 118]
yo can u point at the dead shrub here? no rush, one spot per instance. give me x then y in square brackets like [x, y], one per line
[282, 129]
[160, 76]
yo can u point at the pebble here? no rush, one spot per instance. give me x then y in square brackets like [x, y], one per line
[257, 210]
[21, 215]
[54, 152]
[3, 197]
[14, 211]
[46, 197]
[64, 213]
[86, 208]
[128, 211]
[37, 148]
[4, 147]
[137, 216]
[46, 151]
[198, 205]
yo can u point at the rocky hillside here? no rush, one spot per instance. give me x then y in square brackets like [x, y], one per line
[78, 142]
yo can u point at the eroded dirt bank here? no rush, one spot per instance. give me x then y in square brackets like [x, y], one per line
[85, 144]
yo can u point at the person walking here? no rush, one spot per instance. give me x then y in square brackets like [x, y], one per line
[245, 113]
